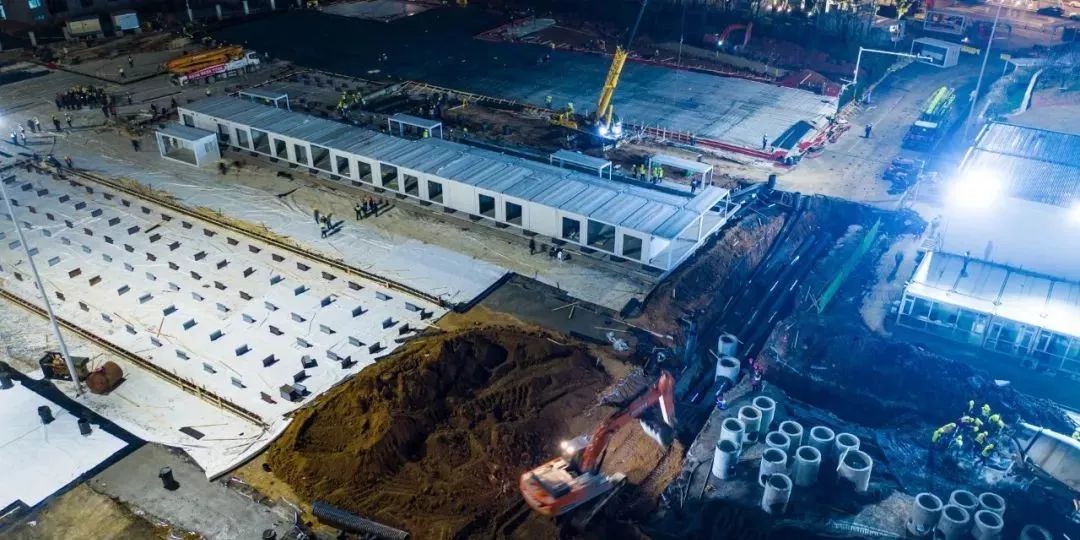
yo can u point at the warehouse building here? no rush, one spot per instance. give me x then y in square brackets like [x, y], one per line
[655, 227]
[1006, 276]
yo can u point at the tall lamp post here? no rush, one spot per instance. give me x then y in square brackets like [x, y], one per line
[858, 62]
[44, 294]
[982, 70]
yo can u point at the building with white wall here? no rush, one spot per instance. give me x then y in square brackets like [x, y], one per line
[655, 227]
[1005, 275]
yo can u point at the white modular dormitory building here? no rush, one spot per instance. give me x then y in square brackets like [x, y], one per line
[657, 228]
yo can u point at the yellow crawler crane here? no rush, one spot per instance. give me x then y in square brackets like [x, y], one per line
[603, 118]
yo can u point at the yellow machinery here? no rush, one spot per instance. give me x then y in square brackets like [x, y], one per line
[196, 61]
[603, 118]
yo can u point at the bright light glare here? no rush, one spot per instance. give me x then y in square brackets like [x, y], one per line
[1074, 215]
[975, 190]
[602, 129]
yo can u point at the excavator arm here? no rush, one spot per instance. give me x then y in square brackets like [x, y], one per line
[564, 483]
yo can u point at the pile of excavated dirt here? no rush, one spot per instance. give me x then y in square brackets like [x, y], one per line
[433, 439]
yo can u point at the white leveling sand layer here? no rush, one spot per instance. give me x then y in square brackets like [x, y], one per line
[40, 459]
[245, 322]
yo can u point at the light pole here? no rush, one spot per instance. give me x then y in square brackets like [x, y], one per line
[44, 294]
[982, 70]
[858, 62]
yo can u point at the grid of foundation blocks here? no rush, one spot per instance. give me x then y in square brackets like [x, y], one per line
[259, 326]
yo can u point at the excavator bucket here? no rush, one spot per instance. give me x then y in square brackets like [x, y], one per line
[660, 432]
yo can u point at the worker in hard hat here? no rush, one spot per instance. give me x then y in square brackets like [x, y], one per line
[967, 419]
[986, 451]
[980, 439]
[971, 405]
[958, 441]
[986, 409]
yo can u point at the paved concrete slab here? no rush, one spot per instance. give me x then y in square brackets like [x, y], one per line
[198, 504]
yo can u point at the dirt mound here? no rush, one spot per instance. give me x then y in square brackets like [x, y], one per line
[433, 439]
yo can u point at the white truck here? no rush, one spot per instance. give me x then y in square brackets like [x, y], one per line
[246, 63]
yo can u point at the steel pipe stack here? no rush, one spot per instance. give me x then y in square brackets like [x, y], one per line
[751, 419]
[988, 525]
[725, 456]
[767, 407]
[925, 514]
[773, 461]
[778, 441]
[855, 467]
[954, 524]
[777, 494]
[807, 465]
[794, 431]
[822, 438]
[992, 502]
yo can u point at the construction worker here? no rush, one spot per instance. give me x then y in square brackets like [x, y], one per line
[971, 406]
[943, 430]
[986, 410]
[967, 419]
[987, 450]
[980, 439]
[323, 229]
[959, 440]
[977, 425]
[547, 102]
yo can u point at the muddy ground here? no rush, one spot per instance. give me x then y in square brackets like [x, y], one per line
[433, 439]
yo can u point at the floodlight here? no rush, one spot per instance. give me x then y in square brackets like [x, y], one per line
[976, 189]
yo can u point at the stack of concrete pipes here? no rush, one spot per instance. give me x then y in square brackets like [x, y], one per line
[790, 458]
[964, 515]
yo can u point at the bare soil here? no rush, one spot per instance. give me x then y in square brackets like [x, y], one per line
[433, 439]
[84, 513]
[704, 283]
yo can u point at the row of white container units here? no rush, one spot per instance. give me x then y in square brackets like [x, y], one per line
[531, 216]
[1036, 347]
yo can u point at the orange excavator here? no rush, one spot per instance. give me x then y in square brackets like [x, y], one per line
[574, 478]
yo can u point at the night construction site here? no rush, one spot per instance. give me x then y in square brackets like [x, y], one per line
[529, 270]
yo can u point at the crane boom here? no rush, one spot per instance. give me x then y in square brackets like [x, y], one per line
[603, 103]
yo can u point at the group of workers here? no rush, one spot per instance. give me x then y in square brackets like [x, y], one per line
[981, 426]
[82, 96]
[654, 174]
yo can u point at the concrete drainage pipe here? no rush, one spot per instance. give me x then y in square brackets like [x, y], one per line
[988, 526]
[751, 419]
[992, 502]
[773, 461]
[725, 457]
[777, 494]
[727, 367]
[855, 467]
[806, 467]
[964, 499]
[954, 524]
[778, 441]
[767, 407]
[794, 431]
[727, 345]
[732, 429]
[1035, 532]
[845, 442]
[822, 438]
[925, 514]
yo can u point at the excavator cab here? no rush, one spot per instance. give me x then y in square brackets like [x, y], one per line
[574, 478]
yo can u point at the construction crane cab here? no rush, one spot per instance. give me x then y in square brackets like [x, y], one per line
[574, 478]
[603, 120]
